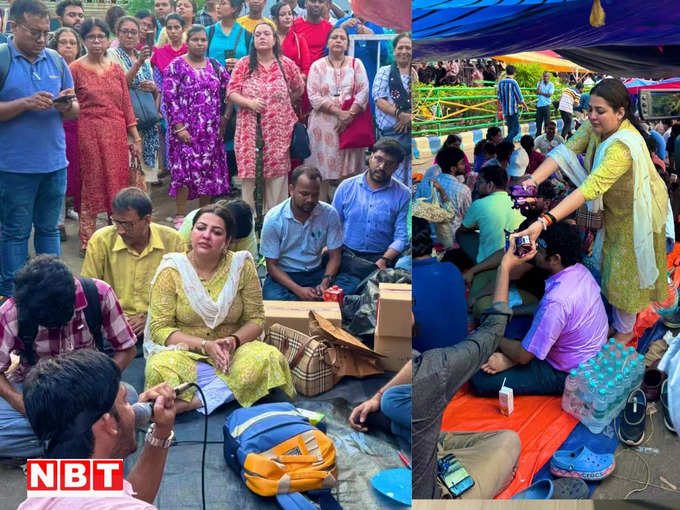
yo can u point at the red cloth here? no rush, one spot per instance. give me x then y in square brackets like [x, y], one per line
[315, 34]
[295, 47]
[162, 57]
[535, 159]
[105, 114]
[540, 422]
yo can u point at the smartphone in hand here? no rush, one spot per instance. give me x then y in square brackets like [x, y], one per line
[64, 99]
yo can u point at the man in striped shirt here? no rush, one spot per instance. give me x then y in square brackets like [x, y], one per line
[570, 98]
[510, 99]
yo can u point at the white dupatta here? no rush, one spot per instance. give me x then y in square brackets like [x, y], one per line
[644, 224]
[213, 313]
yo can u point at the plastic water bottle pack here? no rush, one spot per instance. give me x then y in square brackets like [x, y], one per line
[596, 391]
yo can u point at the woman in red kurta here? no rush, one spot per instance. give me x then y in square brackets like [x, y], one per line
[105, 122]
[263, 89]
[293, 46]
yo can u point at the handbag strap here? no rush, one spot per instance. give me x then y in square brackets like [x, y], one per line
[301, 351]
[290, 96]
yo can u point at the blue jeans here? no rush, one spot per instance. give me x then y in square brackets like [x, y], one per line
[538, 377]
[28, 200]
[396, 405]
[542, 116]
[16, 435]
[272, 290]
[512, 122]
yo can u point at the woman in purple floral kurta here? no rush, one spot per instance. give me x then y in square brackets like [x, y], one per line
[192, 90]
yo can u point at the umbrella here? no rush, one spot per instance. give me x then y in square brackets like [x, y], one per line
[547, 61]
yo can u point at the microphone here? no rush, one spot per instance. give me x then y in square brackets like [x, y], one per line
[144, 410]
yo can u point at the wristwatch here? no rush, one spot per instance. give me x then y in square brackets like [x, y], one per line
[154, 441]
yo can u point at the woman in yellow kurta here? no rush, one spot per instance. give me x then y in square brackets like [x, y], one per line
[618, 169]
[206, 312]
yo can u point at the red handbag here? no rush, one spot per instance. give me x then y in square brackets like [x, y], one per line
[360, 133]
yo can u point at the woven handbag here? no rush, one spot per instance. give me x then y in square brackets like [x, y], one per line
[588, 219]
[312, 362]
[432, 211]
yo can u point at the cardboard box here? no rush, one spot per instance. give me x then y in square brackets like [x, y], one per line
[394, 309]
[396, 349]
[295, 314]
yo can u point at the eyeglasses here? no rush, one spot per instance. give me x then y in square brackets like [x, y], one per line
[132, 33]
[36, 34]
[387, 163]
[127, 225]
[95, 37]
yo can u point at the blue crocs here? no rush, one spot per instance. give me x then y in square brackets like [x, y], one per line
[582, 463]
[543, 489]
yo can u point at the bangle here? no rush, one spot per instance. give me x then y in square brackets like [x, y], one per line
[543, 222]
[179, 130]
[137, 140]
[203, 344]
[554, 220]
[238, 341]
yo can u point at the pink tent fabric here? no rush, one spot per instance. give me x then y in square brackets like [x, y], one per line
[394, 14]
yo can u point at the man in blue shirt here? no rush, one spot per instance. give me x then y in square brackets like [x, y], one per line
[545, 90]
[509, 100]
[32, 182]
[373, 209]
[294, 235]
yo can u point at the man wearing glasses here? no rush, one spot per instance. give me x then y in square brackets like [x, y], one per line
[373, 210]
[32, 146]
[127, 253]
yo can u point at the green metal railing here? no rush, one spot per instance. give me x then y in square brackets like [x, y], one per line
[443, 110]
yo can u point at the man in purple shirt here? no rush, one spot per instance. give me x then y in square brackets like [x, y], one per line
[569, 327]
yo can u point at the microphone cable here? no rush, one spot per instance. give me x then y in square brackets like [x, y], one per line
[205, 441]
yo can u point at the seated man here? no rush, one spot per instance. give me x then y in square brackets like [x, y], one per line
[127, 253]
[569, 327]
[51, 314]
[95, 421]
[549, 140]
[373, 209]
[394, 401]
[244, 234]
[492, 214]
[294, 235]
[489, 457]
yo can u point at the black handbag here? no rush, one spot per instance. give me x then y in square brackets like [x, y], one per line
[144, 105]
[299, 142]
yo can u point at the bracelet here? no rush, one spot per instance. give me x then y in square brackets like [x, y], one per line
[543, 222]
[238, 341]
[179, 130]
[203, 344]
[137, 140]
[554, 220]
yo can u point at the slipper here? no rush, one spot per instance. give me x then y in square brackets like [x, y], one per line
[582, 463]
[569, 488]
[543, 489]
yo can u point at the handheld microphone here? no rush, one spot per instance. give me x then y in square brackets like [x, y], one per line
[144, 410]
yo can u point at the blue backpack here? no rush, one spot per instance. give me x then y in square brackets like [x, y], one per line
[277, 452]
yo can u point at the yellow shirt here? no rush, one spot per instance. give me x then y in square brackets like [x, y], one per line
[249, 23]
[128, 272]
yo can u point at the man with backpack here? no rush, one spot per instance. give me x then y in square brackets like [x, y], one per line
[52, 313]
[33, 78]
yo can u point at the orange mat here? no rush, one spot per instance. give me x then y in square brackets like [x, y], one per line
[540, 422]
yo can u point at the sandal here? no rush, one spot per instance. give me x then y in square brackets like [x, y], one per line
[630, 429]
[569, 488]
[543, 489]
[582, 463]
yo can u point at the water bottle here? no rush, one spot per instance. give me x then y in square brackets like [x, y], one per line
[599, 357]
[605, 363]
[605, 349]
[570, 384]
[619, 351]
[626, 380]
[618, 365]
[630, 354]
[600, 409]
[634, 383]
[612, 341]
[620, 387]
[612, 356]
[611, 396]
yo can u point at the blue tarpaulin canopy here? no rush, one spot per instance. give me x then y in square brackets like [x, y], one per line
[637, 39]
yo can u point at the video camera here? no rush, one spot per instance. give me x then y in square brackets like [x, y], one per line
[659, 104]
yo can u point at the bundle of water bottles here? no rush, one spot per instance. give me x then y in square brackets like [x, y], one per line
[596, 391]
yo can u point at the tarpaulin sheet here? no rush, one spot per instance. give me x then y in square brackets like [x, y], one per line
[466, 29]
[604, 442]
[394, 14]
[539, 420]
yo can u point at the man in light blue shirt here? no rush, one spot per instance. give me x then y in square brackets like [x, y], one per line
[545, 90]
[373, 209]
[32, 143]
[510, 99]
[294, 235]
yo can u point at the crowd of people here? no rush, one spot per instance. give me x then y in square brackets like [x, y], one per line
[94, 112]
[534, 312]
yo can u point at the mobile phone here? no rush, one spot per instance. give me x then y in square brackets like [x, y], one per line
[453, 475]
[64, 99]
[150, 39]
[229, 54]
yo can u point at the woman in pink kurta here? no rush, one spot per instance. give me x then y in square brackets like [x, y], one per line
[330, 82]
[106, 120]
[257, 86]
